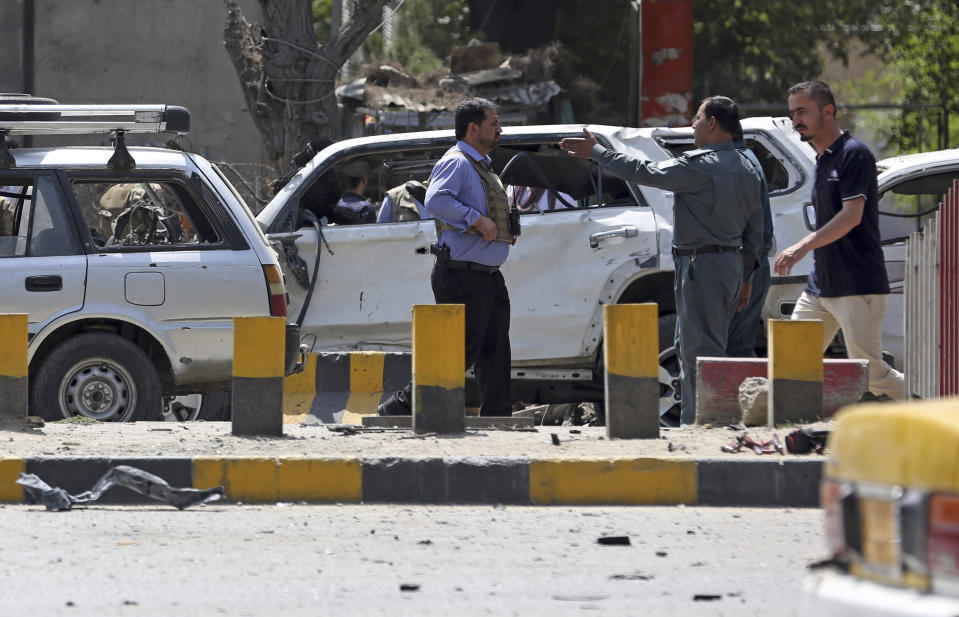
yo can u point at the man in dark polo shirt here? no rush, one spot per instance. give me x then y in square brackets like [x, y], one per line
[848, 289]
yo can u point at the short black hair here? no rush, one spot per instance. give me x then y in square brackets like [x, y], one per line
[471, 110]
[726, 112]
[816, 90]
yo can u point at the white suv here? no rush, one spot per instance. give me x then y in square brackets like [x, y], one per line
[131, 264]
[612, 247]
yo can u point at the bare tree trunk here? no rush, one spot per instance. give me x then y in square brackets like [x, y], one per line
[288, 79]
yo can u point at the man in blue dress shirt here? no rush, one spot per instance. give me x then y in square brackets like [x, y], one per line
[468, 203]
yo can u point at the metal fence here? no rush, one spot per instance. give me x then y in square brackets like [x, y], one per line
[932, 302]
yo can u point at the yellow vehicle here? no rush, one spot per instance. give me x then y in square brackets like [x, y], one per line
[891, 498]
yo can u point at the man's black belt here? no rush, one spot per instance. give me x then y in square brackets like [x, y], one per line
[468, 265]
[712, 248]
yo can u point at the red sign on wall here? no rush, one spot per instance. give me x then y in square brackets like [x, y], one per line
[667, 63]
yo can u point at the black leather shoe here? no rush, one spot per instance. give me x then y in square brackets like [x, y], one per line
[393, 407]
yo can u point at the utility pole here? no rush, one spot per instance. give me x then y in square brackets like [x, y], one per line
[635, 99]
[27, 56]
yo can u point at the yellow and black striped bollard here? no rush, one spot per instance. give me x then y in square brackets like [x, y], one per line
[631, 335]
[795, 371]
[13, 366]
[439, 368]
[258, 367]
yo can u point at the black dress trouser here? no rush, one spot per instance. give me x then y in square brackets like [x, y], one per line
[487, 308]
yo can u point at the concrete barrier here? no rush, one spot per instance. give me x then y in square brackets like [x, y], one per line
[631, 339]
[439, 368]
[718, 381]
[13, 366]
[258, 367]
[342, 388]
[763, 481]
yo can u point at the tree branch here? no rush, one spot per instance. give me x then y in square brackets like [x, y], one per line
[365, 16]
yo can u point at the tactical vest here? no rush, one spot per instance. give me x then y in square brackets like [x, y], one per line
[497, 206]
[404, 206]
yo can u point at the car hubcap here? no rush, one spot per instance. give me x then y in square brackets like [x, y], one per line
[99, 389]
[670, 388]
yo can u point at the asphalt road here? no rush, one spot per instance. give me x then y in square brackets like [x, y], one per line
[398, 560]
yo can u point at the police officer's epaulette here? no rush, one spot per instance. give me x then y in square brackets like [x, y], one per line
[691, 154]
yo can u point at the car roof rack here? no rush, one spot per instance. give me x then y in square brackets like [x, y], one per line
[25, 119]
[93, 119]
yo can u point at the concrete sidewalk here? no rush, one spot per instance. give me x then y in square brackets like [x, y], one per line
[327, 463]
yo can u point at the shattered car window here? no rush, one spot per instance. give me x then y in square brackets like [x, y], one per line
[33, 220]
[154, 214]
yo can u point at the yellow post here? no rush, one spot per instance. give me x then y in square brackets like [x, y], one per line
[631, 335]
[795, 370]
[13, 366]
[439, 368]
[258, 367]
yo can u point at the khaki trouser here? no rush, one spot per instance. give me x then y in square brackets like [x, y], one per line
[860, 319]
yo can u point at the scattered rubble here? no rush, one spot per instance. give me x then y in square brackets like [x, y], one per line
[754, 401]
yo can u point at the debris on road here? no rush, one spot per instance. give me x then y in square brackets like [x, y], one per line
[631, 577]
[409, 587]
[805, 440]
[754, 401]
[613, 540]
[57, 500]
[555, 438]
[706, 597]
[769, 446]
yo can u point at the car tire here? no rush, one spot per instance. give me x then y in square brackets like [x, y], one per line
[100, 376]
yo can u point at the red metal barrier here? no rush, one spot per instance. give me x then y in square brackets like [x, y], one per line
[949, 293]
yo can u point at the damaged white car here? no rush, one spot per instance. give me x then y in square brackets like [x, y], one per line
[130, 263]
[612, 246]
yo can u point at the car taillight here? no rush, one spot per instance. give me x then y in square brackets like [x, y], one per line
[943, 543]
[880, 530]
[274, 284]
[913, 516]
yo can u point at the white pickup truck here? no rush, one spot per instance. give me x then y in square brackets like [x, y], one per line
[613, 247]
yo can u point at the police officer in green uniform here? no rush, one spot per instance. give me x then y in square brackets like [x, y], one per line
[717, 228]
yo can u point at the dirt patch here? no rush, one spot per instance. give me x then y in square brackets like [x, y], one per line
[191, 439]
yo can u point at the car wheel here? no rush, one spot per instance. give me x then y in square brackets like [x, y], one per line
[183, 408]
[212, 406]
[100, 376]
[670, 388]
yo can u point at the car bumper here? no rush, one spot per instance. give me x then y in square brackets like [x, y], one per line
[830, 593]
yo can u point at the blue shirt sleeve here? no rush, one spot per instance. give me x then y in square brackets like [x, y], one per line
[446, 182]
[386, 211]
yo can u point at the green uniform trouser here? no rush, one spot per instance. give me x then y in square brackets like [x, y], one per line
[705, 304]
